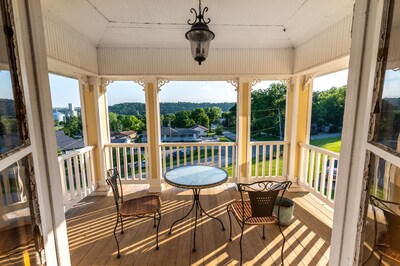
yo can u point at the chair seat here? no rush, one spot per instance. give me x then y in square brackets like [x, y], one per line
[236, 208]
[140, 206]
[385, 250]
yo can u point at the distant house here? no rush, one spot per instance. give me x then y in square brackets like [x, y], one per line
[123, 136]
[66, 143]
[169, 134]
[202, 130]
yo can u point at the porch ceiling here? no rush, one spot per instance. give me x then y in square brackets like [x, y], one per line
[156, 23]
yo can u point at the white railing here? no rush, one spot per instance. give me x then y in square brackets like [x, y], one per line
[220, 154]
[76, 170]
[132, 169]
[318, 170]
[269, 159]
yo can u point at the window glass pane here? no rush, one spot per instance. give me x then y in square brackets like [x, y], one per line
[18, 229]
[10, 137]
[388, 127]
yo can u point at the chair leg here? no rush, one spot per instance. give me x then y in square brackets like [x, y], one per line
[283, 244]
[115, 236]
[263, 237]
[122, 225]
[240, 244]
[158, 226]
[230, 223]
[154, 220]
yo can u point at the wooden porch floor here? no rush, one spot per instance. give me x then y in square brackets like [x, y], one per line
[90, 225]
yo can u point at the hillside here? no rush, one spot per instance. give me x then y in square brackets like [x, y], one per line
[165, 108]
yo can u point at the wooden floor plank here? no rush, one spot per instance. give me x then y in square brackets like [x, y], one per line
[90, 226]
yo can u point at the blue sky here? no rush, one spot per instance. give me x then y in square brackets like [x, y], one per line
[66, 90]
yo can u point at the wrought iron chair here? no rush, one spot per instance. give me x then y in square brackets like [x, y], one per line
[388, 244]
[259, 209]
[133, 208]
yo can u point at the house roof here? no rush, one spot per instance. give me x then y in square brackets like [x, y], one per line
[175, 131]
[66, 143]
[199, 126]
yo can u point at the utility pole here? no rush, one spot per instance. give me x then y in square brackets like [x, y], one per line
[280, 124]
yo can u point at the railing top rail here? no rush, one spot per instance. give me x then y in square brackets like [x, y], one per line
[318, 149]
[122, 145]
[269, 142]
[76, 152]
[197, 144]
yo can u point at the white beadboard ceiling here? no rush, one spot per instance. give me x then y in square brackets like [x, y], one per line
[160, 23]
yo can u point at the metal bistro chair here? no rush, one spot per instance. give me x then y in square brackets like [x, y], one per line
[133, 208]
[259, 209]
[388, 244]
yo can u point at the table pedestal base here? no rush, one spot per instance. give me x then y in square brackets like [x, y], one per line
[197, 207]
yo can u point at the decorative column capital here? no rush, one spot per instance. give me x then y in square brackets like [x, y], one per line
[307, 79]
[104, 83]
[255, 81]
[234, 83]
[288, 83]
[161, 82]
[84, 80]
[140, 81]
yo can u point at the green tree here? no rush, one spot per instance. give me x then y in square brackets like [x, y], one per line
[200, 117]
[73, 126]
[183, 120]
[218, 131]
[230, 118]
[328, 107]
[166, 120]
[213, 113]
[2, 128]
[268, 109]
[115, 123]
[131, 122]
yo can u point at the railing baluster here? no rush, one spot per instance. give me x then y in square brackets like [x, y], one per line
[277, 156]
[226, 156]
[140, 163]
[386, 180]
[233, 149]
[285, 160]
[184, 156]
[133, 170]
[70, 179]
[191, 156]
[77, 177]
[311, 174]
[323, 175]
[171, 161]
[164, 160]
[219, 155]
[257, 158]
[198, 154]
[146, 163]
[118, 161]
[125, 163]
[264, 154]
[63, 181]
[212, 155]
[270, 159]
[317, 171]
[330, 178]
[178, 157]
[83, 174]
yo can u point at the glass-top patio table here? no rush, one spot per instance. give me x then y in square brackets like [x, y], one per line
[196, 177]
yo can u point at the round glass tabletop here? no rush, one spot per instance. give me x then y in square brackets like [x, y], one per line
[196, 176]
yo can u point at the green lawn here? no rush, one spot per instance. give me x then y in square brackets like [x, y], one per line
[332, 144]
[224, 139]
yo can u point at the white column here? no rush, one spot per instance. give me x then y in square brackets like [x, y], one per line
[243, 129]
[153, 133]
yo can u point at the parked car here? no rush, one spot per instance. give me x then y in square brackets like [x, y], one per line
[181, 154]
[142, 164]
